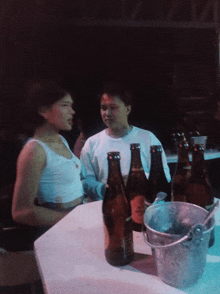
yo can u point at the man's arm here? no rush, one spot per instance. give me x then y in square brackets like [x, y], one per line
[93, 188]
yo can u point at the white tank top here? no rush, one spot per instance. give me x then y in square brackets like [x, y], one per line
[60, 178]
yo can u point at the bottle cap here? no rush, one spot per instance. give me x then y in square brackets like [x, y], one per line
[184, 144]
[198, 147]
[135, 146]
[155, 148]
[113, 155]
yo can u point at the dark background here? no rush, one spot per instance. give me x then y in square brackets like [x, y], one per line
[167, 65]
[172, 67]
[167, 51]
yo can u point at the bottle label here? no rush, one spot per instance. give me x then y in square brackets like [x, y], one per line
[106, 237]
[128, 219]
[187, 167]
[138, 208]
[120, 235]
[127, 244]
[199, 193]
[135, 169]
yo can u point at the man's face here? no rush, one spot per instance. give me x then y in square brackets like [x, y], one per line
[114, 112]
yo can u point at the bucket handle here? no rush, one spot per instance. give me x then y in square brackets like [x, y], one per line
[195, 234]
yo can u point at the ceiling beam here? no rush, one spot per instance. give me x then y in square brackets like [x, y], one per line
[194, 10]
[206, 10]
[198, 13]
[137, 9]
[174, 9]
[141, 23]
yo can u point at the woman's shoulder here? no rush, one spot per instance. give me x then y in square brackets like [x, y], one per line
[32, 152]
[33, 144]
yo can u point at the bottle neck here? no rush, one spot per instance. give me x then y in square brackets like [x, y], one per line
[198, 162]
[157, 178]
[136, 159]
[114, 171]
[156, 162]
[115, 185]
[183, 156]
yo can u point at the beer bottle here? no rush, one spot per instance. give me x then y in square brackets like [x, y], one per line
[182, 172]
[138, 188]
[198, 190]
[157, 178]
[117, 216]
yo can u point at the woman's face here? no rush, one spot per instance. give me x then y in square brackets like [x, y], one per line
[60, 114]
[114, 112]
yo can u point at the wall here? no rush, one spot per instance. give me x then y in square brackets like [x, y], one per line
[168, 68]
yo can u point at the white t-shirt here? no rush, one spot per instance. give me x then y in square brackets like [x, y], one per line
[60, 179]
[94, 158]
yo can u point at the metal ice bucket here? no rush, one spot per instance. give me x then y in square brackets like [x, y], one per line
[178, 250]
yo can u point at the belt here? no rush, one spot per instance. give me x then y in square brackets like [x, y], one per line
[63, 206]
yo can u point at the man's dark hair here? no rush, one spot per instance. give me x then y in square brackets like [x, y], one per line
[117, 89]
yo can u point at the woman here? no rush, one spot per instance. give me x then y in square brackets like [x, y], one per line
[48, 174]
[115, 107]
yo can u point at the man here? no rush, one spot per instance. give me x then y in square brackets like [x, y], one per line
[115, 107]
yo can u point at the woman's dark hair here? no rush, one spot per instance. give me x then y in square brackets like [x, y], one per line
[117, 89]
[41, 94]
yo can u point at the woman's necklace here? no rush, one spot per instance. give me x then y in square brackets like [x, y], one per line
[128, 131]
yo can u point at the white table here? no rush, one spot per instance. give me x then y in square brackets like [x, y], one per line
[208, 155]
[71, 259]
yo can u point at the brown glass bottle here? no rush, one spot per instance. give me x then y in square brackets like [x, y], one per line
[138, 188]
[198, 190]
[117, 216]
[157, 178]
[182, 173]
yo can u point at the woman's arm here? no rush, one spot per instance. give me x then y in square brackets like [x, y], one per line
[30, 164]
